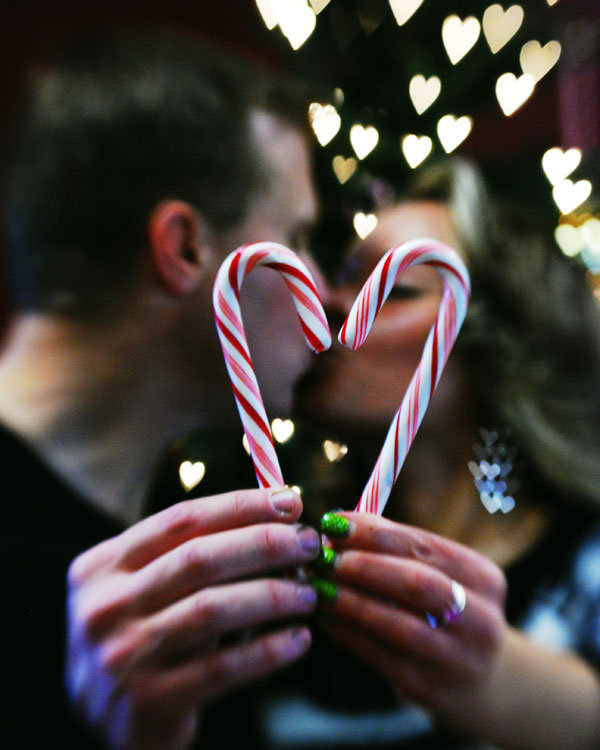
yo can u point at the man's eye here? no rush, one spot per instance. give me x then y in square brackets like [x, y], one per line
[405, 292]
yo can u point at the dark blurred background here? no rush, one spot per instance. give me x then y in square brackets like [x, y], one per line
[358, 48]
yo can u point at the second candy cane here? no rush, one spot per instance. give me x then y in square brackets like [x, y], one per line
[441, 338]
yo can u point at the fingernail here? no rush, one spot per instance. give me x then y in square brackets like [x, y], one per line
[284, 501]
[326, 590]
[309, 539]
[327, 559]
[307, 594]
[300, 640]
[333, 524]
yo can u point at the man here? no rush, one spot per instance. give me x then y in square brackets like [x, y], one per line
[140, 162]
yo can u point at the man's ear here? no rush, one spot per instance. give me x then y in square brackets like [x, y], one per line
[179, 243]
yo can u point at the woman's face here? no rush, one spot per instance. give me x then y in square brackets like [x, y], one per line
[363, 389]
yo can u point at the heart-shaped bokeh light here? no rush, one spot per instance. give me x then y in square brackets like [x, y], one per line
[558, 164]
[499, 25]
[513, 92]
[423, 92]
[191, 474]
[364, 224]
[570, 195]
[319, 5]
[325, 121]
[333, 451]
[459, 36]
[404, 9]
[536, 60]
[569, 239]
[344, 168]
[416, 149]
[296, 19]
[452, 131]
[363, 139]
[282, 429]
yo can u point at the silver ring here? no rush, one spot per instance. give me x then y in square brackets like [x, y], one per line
[454, 613]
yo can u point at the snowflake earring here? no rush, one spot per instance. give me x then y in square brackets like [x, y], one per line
[491, 472]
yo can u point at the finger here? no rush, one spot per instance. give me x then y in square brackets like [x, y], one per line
[198, 621]
[210, 677]
[371, 532]
[157, 534]
[462, 644]
[411, 584]
[221, 557]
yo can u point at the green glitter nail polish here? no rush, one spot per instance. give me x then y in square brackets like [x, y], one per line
[334, 525]
[326, 590]
[326, 559]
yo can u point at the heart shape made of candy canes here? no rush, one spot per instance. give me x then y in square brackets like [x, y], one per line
[353, 333]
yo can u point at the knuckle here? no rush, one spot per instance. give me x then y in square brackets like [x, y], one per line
[277, 596]
[205, 610]
[193, 557]
[179, 519]
[270, 543]
[97, 611]
[419, 547]
[240, 501]
[499, 585]
[270, 651]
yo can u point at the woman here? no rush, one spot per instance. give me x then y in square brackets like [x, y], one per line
[428, 614]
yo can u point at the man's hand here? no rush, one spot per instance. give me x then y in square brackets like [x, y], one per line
[148, 610]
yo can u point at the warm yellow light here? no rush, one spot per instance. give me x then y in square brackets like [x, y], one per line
[459, 36]
[364, 224]
[282, 429]
[569, 195]
[191, 474]
[404, 9]
[416, 149]
[558, 164]
[246, 444]
[536, 60]
[499, 25]
[363, 139]
[513, 92]
[267, 12]
[296, 19]
[325, 121]
[319, 5]
[334, 451]
[423, 92]
[344, 168]
[569, 239]
[452, 131]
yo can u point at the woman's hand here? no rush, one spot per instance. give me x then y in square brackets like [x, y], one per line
[396, 605]
[148, 609]
[474, 671]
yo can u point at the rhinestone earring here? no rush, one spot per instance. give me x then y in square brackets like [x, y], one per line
[492, 471]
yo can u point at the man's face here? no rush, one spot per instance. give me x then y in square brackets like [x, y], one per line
[282, 211]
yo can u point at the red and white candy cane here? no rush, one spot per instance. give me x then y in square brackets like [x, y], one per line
[226, 296]
[440, 341]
